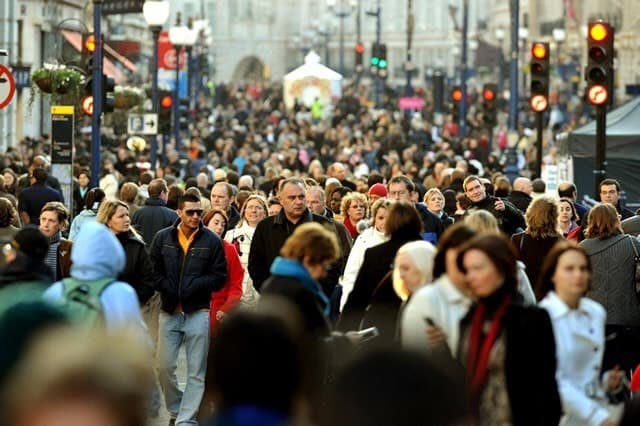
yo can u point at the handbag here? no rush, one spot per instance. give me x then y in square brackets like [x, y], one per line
[636, 258]
[363, 323]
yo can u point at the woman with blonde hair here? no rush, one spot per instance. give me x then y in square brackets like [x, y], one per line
[434, 200]
[304, 259]
[539, 237]
[413, 268]
[138, 270]
[613, 285]
[353, 208]
[253, 211]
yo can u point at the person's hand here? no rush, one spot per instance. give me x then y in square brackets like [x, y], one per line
[436, 336]
[220, 315]
[499, 205]
[609, 422]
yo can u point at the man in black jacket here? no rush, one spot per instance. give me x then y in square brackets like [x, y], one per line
[273, 231]
[189, 265]
[154, 215]
[510, 219]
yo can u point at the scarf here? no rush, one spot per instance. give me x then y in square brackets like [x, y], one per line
[480, 346]
[353, 230]
[51, 260]
[292, 268]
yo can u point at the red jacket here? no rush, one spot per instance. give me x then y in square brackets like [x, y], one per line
[229, 295]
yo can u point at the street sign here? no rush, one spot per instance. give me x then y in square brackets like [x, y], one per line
[142, 124]
[119, 7]
[62, 138]
[7, 86]
[22, 75]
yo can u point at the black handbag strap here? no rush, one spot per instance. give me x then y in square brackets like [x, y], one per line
[635, 249]
[384, 278]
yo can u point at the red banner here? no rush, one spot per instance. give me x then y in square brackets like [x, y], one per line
[167, 53]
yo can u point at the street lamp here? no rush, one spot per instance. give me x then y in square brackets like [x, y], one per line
[155, 14]
[190, 41]
[341, 13]
[178, 36]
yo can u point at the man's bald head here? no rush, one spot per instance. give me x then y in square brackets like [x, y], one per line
[522, 184]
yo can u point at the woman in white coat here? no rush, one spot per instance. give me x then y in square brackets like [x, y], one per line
[368, 238]
[578, 326]
[253, 211]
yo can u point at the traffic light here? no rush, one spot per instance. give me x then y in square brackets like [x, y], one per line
[599, 71]
[86, 57]
[489, 104]
[184, 114]
[375, 59]
[383, 72]
[539, 99]
[359, 54]
[164, 114]
[108, 85]
[456, 97]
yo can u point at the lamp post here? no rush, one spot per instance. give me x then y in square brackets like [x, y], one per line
[178, 36]
[190, 41]
[155, 14]
[499, 33]
[341, 13]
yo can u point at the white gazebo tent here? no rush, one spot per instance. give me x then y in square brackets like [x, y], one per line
[312, 80]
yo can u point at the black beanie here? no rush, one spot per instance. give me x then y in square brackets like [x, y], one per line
[31, 242]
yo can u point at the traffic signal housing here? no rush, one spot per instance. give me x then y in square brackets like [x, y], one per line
[599, 71]
[490, 104]
[539, 99]
[108, 86]
[86, 56]
[375, 59]
[164, 113]
[359, 56]
[383, 71]
[455, 96]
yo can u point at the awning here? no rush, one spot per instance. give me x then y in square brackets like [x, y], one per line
[109, 68]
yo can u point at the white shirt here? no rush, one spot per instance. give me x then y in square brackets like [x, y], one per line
[579, 335]
[444, 304]
[369, 238]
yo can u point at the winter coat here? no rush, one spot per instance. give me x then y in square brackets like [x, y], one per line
[138, 270]
[241, 238]
[510, 220]
[152, 217]
[228, 297]
[23, 280]
[612, 279]
[188, 279]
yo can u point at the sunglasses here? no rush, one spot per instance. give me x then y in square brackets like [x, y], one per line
[194, 211]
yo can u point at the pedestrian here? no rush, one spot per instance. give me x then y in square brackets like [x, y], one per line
[613, 285]
[94, 197]
[578, 326]
[541, 234]
[190, 264]
[434, 200]
[225, 300]
[54, 219]
[154, 215]
[516, 358]
[610, 193]
[33, 198]
[253, 211]
[353, 208]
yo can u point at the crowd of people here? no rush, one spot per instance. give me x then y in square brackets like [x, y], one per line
[361, 268]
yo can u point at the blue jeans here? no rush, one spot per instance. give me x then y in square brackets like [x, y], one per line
[193, 330]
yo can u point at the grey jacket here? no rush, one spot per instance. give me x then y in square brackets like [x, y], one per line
[613, 279]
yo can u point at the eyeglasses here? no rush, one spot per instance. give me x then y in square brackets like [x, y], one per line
[194, 211]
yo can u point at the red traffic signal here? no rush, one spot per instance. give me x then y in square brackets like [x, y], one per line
[488, 94]
[456, 94]
[166, 101]
[540, 50]
[360, 48]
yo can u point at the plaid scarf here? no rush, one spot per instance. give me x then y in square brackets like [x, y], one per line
[52, 255]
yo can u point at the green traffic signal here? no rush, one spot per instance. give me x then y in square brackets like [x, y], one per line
[375, 61]
[382, 63]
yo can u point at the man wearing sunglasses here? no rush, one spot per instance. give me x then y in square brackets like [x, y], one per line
[189, 264]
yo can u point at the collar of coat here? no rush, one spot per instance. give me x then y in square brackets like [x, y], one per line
[281, 218]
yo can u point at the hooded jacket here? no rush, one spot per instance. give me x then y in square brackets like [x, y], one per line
[97, 254]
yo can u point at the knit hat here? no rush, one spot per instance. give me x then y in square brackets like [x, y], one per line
[31, 242]
[378, 189]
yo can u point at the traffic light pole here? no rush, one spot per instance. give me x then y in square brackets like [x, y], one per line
[539, 117]
[176, 101]
[377, 80]
[463, 70]
[513, 67]
[601, 146]
[97, 94]
[154, 94]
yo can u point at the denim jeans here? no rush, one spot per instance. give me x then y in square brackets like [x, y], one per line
[193, 330]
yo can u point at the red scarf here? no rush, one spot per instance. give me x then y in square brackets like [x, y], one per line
[353, 230]
[479, 349]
